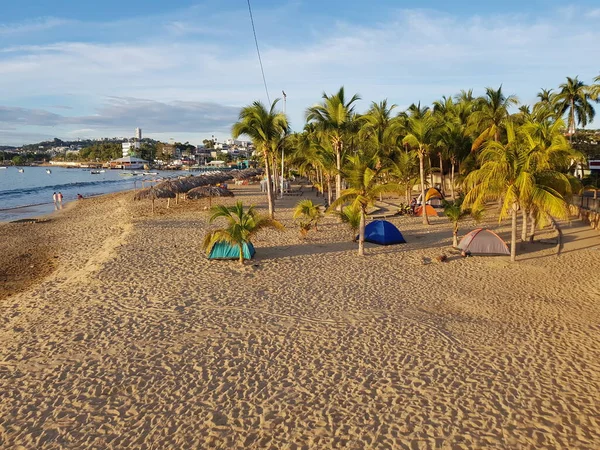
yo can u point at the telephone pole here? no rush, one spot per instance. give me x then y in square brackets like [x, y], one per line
[284, 105]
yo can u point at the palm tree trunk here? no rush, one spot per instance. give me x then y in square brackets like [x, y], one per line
[275, 177]
[525, 213]
[452, 181]
[320, 182]
[329, 190]
[338, 175]
[152, 206]
[422, 173]
[430, 172]
[442, 174]
[241, 254]
[532, 229]
[361, 233]
[455, 235]
[572, 121]
[513, 234]
[269, 187]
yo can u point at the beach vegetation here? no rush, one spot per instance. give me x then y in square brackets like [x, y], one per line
[336, 119]
[455, 213]
[241, 225]
[266, 128]
[308, 215]
[350, 216]
[362, 174]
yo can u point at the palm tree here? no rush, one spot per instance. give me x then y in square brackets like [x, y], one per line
[421, 133]
[595, 89]
[351, 216]
[335, 117]
[309, 215]
[380, 127]
[241, 226]
[313, 156]
[266, 128]
[546, 96]
[508, 173]
[574, 98]
[456, 213]
[362, 174]
[490, 115]
[417, 111]
[550, 155]
[403, 168]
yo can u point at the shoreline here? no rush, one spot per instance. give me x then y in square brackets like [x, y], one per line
[136, 338]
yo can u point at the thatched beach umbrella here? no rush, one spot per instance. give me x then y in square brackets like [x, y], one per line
[210, 192]
[153, 193]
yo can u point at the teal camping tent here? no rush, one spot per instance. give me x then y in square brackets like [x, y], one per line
[223, 250]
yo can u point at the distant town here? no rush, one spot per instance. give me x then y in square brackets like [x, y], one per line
[134, 152]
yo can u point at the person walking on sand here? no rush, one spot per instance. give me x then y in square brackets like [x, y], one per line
[55, 200]
[59, 197]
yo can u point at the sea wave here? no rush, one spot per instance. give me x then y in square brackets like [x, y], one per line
[60, 187]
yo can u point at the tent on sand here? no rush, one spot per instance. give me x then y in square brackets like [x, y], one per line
[433, 196]
[223, 250]
[483, 242]
[429, 208]
[383, 232]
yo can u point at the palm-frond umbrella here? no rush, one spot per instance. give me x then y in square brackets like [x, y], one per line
[153, 193]
[210, 192]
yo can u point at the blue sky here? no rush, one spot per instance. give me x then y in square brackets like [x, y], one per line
[181, 69]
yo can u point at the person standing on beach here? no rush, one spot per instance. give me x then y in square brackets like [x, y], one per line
[59, 197]
[55, 200]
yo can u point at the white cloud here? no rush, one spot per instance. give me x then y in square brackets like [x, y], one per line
[32, 26]
[593, 14]
[413, 55]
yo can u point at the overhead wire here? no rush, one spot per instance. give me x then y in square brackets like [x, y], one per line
[262, 70]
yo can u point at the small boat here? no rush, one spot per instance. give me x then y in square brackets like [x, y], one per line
[101, 171]
[2, 167]
[150, 173]
[94, 172]
[21, 170]
[48, 171]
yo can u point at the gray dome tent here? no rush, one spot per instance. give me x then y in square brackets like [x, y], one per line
[483, 242]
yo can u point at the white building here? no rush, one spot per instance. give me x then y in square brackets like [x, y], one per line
[138, 134]
[129, 148]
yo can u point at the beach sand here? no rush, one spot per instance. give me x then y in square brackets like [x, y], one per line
[131, 338]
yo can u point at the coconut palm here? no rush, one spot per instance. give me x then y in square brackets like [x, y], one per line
[362, 174]
[508, 173]
[421, 134]
[546, 96]
[266, 128]
[335, 117]
[308, 214]
[550, 156]
[490, 115]
[380, 127]
[350, 215]
[404, 170]
[241, 226]
[574, 99]
[595, 89]
[455, 213]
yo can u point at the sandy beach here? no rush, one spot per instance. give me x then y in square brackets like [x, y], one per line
[117, 332]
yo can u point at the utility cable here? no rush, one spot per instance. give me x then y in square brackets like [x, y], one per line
[259, 58]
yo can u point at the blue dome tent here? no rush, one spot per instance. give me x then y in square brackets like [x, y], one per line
[223, 250]
[383, 232]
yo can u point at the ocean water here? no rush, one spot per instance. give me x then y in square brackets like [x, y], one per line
[29, 194]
